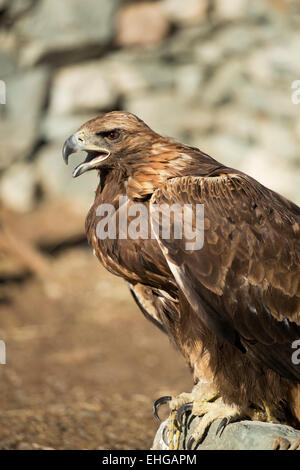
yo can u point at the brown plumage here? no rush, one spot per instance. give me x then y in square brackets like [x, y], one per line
[232, 307]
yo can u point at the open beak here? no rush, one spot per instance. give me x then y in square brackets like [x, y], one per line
[95, 155]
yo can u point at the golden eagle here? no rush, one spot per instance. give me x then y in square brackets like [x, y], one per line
[231, 307]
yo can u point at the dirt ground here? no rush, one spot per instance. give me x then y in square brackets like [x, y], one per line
[83, 365]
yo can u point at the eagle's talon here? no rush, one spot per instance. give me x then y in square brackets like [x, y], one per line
[190, 443]
[160, 401]
[181, 412]
[210, 411]
[225, 421]
[164, 437]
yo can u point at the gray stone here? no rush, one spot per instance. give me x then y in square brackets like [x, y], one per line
[239, 123]
[226, 148]
[295, 189]
[25, 97]
[179, 48]
[9, 47]
[82, 88]
[225, 11]
[224, 84]
[55, 26]
[17, 188]
[58, 127]
[243, 435]
[142, 24]
[164, 111]
[156, 75]
[274, 102]
[123, 71]
[280, 177]
[296, 128]
[131, 72]
[260, 10]
[277, 140]
[18, 7]
[238, 40]
[194, 11]
[188, 80]
[7, 64]
[208, 53]
[275, 63]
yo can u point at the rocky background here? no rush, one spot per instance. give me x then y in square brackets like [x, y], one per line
[82, 365]
[215, 74]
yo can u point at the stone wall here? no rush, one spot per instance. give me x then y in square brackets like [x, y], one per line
[215, 74]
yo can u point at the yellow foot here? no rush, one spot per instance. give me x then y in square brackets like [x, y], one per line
[215, 409]
[174, 433]
[196, 402]
[208, 404]
[210, 412]
[281, 443]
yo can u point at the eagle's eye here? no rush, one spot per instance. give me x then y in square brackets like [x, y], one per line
[113, 135]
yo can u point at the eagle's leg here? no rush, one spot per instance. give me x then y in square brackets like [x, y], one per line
[205, 401]
[174, 433]
[212, 409]
[210, 412]
[174, 429]
[198, 402]
[184, 401]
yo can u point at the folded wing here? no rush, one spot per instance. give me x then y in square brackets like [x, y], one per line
[244, 281]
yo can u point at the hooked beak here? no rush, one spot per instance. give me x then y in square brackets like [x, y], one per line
[95, 155]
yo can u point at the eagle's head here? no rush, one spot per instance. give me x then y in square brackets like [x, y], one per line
[109, 141]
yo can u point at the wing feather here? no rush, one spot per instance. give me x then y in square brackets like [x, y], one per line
[244, 283]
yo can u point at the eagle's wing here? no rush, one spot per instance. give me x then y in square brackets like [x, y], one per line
[244, 282]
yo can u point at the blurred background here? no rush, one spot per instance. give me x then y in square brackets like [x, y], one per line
[83, 366]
